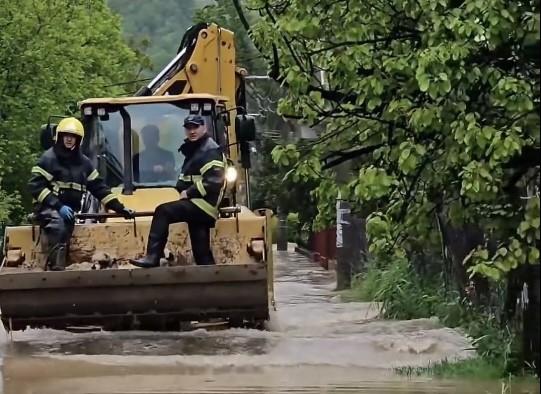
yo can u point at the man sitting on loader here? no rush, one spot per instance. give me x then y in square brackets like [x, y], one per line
[59, 179]
[201, 185]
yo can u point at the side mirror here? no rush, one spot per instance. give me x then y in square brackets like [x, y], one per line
[226, 118]
[221, 137]
[245, 128]
[46, 137]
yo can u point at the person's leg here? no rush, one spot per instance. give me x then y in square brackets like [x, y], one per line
[58, 234]
[164, 215]
[199, 225]
[200, 239]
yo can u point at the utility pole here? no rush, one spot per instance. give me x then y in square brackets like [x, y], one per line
[345, 233]
[281, 242]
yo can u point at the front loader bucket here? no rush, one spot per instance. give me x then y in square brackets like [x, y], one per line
[125, 299]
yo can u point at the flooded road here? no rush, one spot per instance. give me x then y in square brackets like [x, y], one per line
[316, 344]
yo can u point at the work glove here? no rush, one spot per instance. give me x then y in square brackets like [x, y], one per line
[127, 213]
[67, 213]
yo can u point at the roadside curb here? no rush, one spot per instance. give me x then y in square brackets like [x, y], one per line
[306, 253]
[316, 258]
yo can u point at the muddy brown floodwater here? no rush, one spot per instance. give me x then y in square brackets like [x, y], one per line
[316, 344]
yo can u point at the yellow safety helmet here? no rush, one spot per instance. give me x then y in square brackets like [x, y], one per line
[72, 126]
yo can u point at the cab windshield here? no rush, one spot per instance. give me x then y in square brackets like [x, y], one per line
[157, 134]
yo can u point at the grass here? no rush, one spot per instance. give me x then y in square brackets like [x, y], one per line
[476, 369]
[472, 368]
[362, 289]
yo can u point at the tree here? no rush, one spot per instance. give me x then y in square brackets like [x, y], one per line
[437, 103]
[53, 54]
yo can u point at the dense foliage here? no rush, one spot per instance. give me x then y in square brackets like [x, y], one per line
[435, 105]
[53, 54]
[437, 102]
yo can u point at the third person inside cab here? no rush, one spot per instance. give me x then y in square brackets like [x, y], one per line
[153, 163]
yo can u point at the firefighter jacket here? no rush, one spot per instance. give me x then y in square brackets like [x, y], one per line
[203, 174]
[56, 182]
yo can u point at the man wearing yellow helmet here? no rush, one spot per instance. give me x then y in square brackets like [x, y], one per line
[59, 179]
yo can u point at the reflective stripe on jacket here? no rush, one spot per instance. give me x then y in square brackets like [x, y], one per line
[203, 177]
[54, 184]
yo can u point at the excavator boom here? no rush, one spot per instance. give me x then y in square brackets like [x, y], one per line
[205, 62]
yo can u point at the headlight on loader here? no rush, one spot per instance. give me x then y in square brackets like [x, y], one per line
[231, 175]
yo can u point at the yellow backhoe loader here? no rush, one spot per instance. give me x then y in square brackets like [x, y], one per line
[100, 288]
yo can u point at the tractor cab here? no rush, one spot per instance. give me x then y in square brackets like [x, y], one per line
[134, 141]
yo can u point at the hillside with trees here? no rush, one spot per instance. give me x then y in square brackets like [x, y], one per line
[157, 26]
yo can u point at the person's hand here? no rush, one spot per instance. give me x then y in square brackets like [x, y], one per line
[183, 195]
[158, 168]
[67, 213]
[128, 213]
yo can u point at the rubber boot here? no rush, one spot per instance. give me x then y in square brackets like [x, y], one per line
[59, 258]
[154, 253]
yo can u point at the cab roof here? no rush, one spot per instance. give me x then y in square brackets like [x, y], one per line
[152, 99]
